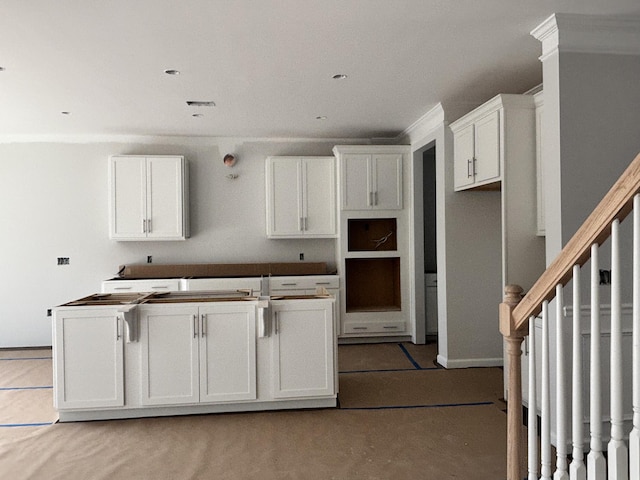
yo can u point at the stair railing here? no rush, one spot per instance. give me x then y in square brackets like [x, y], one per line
[517, 320]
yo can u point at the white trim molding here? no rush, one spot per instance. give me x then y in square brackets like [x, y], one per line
[578, 33]
[469, 362]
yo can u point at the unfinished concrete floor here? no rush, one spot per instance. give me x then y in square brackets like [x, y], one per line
[400, 417]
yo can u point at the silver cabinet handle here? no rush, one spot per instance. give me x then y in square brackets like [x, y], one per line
[149, 225]
[289, 284]
[370, 199]
[144, 226]
[469, 174]
[375, 198]
[203, 328]
[122, 288]
[475, 162]
[277, 323]
[118, 333]
[300, 226]
[195, 326]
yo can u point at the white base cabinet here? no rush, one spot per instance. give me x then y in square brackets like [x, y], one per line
[303, 344]
[197, 354]
[193, 358]
[88, 359]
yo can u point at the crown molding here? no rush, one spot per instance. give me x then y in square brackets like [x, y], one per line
[578, 33]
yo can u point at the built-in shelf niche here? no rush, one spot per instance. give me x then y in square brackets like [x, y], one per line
[372, 234]
[373, 284]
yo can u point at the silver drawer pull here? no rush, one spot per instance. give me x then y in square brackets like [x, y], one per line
[323, 283]
[390, 327]
[166, 287]
[122, 288]
[361, 328]
[288, 284]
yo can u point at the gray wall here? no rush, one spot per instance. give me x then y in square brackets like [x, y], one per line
[53, 203]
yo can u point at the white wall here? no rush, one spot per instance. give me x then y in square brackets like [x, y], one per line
[53, 203]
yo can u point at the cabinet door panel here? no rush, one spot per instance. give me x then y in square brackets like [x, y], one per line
[319, 201]
[356, 184]
[284, 205]
[487, 145]
[228, 354]
[387, 182]
[169, 355]
[463, 157]
[128, 197]
[302, 357]
[164, 197]
[89, 360]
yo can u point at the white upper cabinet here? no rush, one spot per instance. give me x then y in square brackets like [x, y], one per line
[148, 198]
[483, 141]
[301, 193]
[476, 151]
[371, 177]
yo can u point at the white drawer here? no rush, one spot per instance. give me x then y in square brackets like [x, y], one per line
[304, 282]
[371, 327]
[253, 284]
[151, 285]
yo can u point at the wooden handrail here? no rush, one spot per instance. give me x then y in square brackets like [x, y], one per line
[616, 204]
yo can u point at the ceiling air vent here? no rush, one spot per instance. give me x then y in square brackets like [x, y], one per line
[198, 103]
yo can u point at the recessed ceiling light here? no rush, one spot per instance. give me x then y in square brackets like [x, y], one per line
[200, 103]
[65, 113]
[1, 69]
[339, 76]
[172, 72]
[321, 117]
[198, 115]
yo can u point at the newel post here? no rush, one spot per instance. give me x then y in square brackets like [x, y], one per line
[513, 338]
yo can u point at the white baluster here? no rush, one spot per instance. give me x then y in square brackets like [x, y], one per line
[532, 418]
[577, 469]
[634, 436]
[561, 472]
[596, 463]
[545, 399]
[617, 460]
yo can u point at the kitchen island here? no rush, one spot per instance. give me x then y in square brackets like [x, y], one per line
[152, 354]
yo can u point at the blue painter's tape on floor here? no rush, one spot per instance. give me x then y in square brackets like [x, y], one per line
[388, 370]
[397, 407]
[25, 358]
[14, 425]
[406, 352]
[26, 388]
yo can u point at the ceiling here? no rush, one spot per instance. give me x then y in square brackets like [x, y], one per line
[267, 64]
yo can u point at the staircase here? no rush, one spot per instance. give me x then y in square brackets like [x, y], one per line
[594, 435]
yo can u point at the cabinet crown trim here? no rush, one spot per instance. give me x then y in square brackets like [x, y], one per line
[501, 101]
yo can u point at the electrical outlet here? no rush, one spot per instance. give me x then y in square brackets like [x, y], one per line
[48, 312]
[63, 260]
[302, 256]
[605, 277]
[149, 258]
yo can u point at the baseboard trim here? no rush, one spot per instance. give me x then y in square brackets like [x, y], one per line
[469, 362]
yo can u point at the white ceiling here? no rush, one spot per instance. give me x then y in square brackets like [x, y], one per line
[267, 64]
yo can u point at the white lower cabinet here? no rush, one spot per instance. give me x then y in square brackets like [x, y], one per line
[88, 359]
[163, 358]
[302, 356]
[197, 354]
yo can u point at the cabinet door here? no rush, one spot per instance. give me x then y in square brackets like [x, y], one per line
[165, 198]
[387, 182]
[169, 355]
[463, 155]
[88, 359]
[487, 148]
[303, 349]
[127, 216]
[284, 203]
[227, 353]
[356, 182]
[319, 196]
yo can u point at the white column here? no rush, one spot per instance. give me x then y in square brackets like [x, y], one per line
[634, 436]
[545, 399]
[577, 469]
[561, 472]
[532, 418]
[596, 463]
[617, 460]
